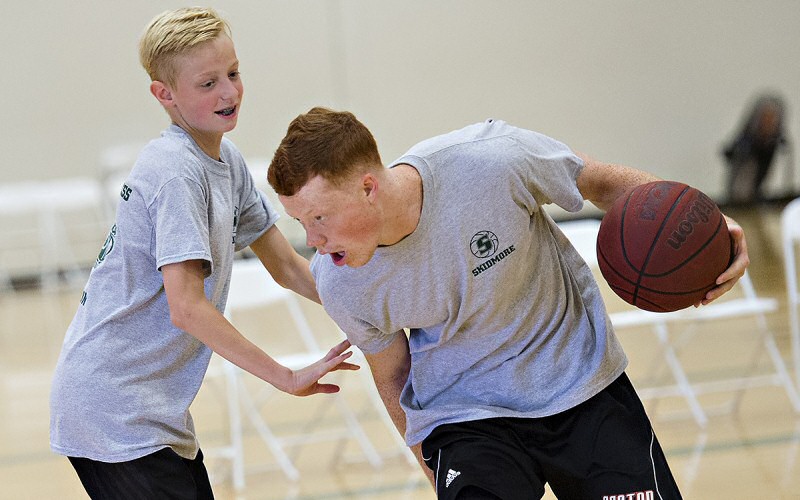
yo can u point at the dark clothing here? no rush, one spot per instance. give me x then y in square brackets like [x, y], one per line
[163, 474]
[603, 448]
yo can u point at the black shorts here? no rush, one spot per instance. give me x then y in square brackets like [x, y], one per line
[603, 449]
[163, 474]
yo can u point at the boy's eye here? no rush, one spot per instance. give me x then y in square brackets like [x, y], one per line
[209, 83]
[234, 74]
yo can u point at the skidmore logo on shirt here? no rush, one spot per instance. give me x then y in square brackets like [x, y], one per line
[484, 244]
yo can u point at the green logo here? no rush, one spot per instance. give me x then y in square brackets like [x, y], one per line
[107, 246]
[235, 224]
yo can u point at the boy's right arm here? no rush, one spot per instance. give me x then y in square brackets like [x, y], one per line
[390, 369]
[193, 313]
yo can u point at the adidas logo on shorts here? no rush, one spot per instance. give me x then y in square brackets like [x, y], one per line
[451, 475]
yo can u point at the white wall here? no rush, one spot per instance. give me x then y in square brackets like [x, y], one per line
[654, 85]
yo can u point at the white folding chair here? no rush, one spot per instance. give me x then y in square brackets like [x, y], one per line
[790, 235]
[747, 305]
[582, 234]
[52, 231]
[52, 228]
[253, 287]
[375, 404]
[744, 303]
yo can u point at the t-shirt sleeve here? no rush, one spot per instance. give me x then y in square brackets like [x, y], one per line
[359, 332]
[550, 170]
[255, 212]
[256, 216]
[180, 217]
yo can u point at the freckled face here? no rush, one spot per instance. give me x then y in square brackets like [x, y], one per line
[208, 89]
[340, 221]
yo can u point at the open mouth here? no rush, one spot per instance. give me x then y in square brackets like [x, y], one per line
[338, 257]
[226, 111]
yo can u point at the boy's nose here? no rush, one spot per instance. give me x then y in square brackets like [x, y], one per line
[314, 239]
[229, 91]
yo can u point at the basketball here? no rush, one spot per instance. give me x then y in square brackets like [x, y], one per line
[662, 245]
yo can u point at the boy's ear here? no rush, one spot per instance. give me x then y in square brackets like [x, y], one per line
[161, 92]
[369, 185]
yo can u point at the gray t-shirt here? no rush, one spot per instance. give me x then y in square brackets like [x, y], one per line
[505, 319]
[126, 375]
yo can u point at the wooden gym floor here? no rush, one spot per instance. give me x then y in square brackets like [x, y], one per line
[753, 452]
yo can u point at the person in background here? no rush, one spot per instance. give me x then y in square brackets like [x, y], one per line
[750, 153]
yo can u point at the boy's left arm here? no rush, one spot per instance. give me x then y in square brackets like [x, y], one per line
[192, 312]
[287, 267]
[602, 183]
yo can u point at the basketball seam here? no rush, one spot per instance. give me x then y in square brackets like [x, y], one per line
[653, 290]
[692, 256]
[622, 233]
[655, 239]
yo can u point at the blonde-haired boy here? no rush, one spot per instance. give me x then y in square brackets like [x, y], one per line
[175, 32]
[150, 316]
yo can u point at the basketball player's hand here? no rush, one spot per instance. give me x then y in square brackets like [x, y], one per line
[306, 380]
[736, 270]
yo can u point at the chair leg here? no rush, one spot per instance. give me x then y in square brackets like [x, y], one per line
[376, 403]
[791, 458]
[235, 424]
[783, 373]
[269, 438]
[387, 422]
[693, 465]
[358, 433]
[301, 324]
[680, 376]
[763, 332]
[794, 326]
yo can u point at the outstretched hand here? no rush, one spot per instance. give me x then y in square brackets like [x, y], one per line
[306, 380]
[736, 270]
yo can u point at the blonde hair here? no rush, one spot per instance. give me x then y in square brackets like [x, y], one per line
[173, 33]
